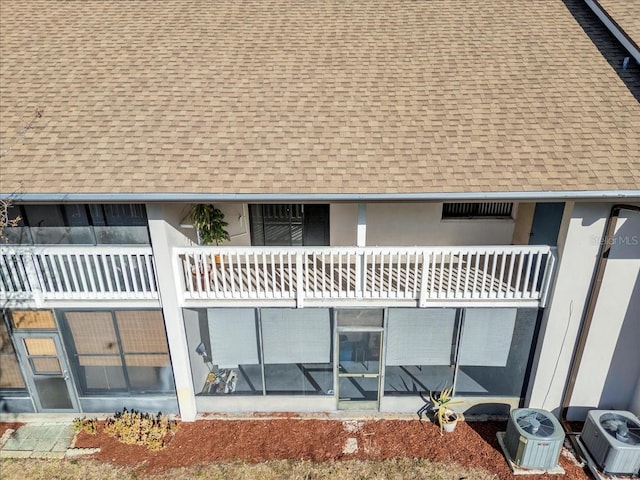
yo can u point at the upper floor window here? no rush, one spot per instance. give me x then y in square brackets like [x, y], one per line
[289, 224]
[477, 210]
[78, 224]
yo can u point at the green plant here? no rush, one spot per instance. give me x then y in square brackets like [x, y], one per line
[442, 402]
[87, 425]
[209, 221]
[133, 427]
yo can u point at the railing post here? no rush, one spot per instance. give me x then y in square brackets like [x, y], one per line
[548, 275]
[361, 273]
[33, 277]
[299, 280]
[424, 280]
[178, 267]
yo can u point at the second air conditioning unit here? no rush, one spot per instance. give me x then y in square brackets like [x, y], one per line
[534, 438]
[612, 438]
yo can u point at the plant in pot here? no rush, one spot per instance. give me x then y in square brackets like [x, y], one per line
[209, 223]
[441, 405]
[211, 227]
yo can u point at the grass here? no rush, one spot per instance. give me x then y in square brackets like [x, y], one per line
[399, 469]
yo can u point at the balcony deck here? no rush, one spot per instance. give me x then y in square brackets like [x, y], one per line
[41, 274]
[420, 276]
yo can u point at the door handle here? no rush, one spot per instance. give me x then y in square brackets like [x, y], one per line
[65, 375]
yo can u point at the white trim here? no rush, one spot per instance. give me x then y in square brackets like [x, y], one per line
[605, 195]
[617, 32]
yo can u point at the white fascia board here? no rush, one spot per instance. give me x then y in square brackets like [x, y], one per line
[591, 195]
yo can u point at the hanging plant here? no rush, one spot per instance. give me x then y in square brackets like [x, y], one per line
[209, 221]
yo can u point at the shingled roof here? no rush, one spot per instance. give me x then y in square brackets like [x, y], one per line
[316, 96]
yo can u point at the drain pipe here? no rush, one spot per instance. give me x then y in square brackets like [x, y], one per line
[587, 317]
[585, 324]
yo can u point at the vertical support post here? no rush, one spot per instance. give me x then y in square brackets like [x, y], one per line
[34, 280]
[422, 300]
[361, 238]
[299, 280]
[168, 279]
[361, 241]
[549, 272]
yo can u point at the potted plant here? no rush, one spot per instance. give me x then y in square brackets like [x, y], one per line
[441, 405]
[209, 223]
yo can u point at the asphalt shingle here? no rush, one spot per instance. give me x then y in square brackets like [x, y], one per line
[309, 97]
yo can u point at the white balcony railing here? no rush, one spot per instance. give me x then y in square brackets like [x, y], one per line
[77, 272]
[423, 274]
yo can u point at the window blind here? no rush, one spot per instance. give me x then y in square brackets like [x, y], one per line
[486, 336]
[233, 336]
[296, 336]
[420, 337]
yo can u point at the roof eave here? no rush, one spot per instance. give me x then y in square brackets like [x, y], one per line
[601, 195]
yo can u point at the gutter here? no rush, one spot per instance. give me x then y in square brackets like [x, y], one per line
[617, 31]
[585, 324]
[633, 195]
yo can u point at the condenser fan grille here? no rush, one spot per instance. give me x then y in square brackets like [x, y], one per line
[621, 428]
[536, 424]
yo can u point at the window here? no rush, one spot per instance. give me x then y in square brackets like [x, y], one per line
[289, 224]
[10, 376]
[79, 224]
[494, 352]
[420, 350]
[297, 351]
[117, 352]
[477, 210]
[481, 351]
[33, 320]
[270, 351]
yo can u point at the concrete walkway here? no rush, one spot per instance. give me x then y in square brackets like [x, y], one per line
[42, 436]
[48, 440]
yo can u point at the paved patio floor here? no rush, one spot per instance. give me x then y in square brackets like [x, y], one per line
[50, 440]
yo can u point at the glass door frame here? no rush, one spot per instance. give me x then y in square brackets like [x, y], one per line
[358, 404]
[29, 373]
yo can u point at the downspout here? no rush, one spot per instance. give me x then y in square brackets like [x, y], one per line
[587, 317]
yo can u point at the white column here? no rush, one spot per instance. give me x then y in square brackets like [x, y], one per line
[562, 317]
[361, 239]
[163, 237]
[611, 362]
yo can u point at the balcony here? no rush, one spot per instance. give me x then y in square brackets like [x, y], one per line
[411, 276]
[41, 274]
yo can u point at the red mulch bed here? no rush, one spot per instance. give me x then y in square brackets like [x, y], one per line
[4, 426]
[256, 440]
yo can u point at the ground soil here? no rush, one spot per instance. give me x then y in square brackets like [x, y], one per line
[472, 444]
[4, 426]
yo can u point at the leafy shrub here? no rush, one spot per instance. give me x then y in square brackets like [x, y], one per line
[87, 425]
[133, 427]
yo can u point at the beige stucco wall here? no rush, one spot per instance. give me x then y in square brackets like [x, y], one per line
[176, 214]
[401, 224]
[611, 362]
[561, 318]
[523, 221]
[237, 216]
[610, 366]
[407, 224]
[343, 222]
